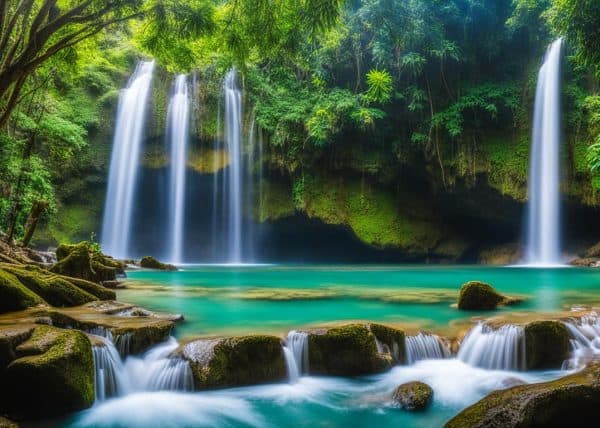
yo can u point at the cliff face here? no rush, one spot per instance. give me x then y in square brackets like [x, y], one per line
[391, 198]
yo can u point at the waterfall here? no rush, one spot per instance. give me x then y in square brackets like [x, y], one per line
[543, 236]
[497, 349]
[178, 119]
[156, 370]
[585, 340]
[424, 347]
[109, 375]
[233, 179]
[296, 354]
[124, 162]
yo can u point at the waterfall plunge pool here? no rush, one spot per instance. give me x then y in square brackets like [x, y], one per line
[276, 299]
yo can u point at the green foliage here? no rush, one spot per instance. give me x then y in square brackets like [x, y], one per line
[380, 86]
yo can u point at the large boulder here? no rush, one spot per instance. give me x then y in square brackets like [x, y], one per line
[546, 344]
[150, 262]
[352, 349]
[551, 404]
[49, 373]
[477, 295]
[235, 361]
[413, 396]
[85, 261]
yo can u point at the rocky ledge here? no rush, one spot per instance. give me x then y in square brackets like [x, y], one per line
[557, 403]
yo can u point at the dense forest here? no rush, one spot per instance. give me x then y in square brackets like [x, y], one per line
[406, 122]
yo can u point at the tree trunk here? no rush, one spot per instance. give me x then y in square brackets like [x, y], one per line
[36, 212]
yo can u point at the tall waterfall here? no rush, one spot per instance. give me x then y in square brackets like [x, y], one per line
[496, 349]
[543, 239]
[124, 162]
[233, 180]
[178, 120]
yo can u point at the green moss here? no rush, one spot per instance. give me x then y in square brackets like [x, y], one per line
[347, 350]
[238, 361]
[150, 262]
[15, 296]
[393, 338]
[413, 395]
[546, 344]
[72, 223]
[557, 403]
[54, 370]
[508, 160]
[476, 295]
[86, 262]
[276, 202]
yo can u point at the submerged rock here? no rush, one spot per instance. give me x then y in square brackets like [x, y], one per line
[45, 371]
[413, 395]
[477, 295]
[84, 261]
[558, 403]
[546, 344]
[150, 262]
[352, 349]
[235, 361]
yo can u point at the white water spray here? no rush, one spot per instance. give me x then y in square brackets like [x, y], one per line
[425, 346]
[494, 349]
[296, 354]
[124, 164]
[543, 230]
[178, 120]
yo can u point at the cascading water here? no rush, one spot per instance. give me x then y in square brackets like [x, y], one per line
[424, 347]
[496, 349]
[154, 371]
[543, 228]
[233, 132]
[124, 162]
[178, 120]
[296, 354]
[585, 340]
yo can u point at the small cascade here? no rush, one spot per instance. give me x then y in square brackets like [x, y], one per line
[296, 354]
[543, 228]
[496, 349]
[233, 178]
[124, 163]
[156, 370]
[178, 120]
[109, 374]
[425, 346]
[585, 340]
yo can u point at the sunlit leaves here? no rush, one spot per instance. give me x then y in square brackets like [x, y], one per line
[380, 86]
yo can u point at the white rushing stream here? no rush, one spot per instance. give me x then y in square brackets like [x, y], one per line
[543, 223]
[124, 163]
[495, 349]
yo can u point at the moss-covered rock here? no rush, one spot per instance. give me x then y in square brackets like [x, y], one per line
[546, 344]
[150, 262]
[477, 295]
[392, 340]
[53, 374]
[413, 396]
[85, 262]
[235, 361]
[346, 350]
[14, 296]
[551, 404]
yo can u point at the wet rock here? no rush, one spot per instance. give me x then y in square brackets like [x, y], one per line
[347, 350]
[559, 403]
[150, 262]
[235, 361]
[477, 295]
[586, 262]
[413, 396]
[50, 373]
[391, 340]
[546, 344]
